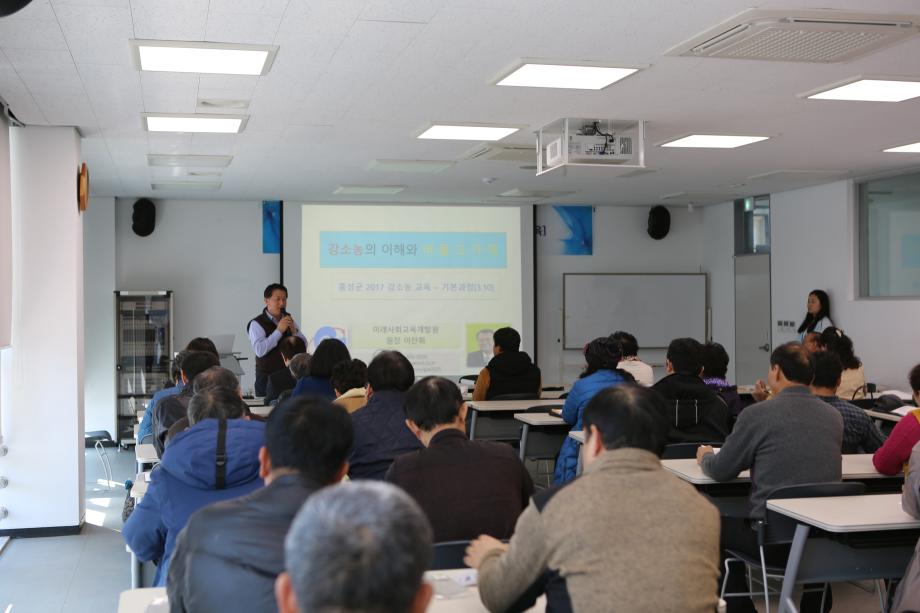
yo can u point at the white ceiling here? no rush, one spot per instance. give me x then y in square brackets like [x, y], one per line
[355, 80]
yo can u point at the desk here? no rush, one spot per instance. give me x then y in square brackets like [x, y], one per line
[536, 420]
[853, 467]
[875, 556]
[139, 488]
[137, 600]
[262, 410]
[504, 406]
[145, 454]
[893, 417]
[466, 601]
[255, 402]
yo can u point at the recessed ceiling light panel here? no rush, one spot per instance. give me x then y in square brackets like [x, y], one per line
[199, 122]
[467, 131]
[420, 166]
[868, 90]
[187, 185]
[713, 141]
[911, 148]
[211, 58]
[576, 75]
[369, 190]
[192, 161]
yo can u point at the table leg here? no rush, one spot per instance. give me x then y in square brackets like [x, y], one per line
[524, 434]
[581, 459]
[473, 424]
[792, 564]
[135, 572]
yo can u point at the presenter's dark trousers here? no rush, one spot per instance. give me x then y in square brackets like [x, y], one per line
[261, 383]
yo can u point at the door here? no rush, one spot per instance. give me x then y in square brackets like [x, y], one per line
[753, 342]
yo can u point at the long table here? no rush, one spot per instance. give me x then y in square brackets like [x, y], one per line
[145, 454]
[536, 420]
[867, 537]
[507, 407]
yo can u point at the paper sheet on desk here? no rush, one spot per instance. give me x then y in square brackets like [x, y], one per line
[158, 605]
[902, 411]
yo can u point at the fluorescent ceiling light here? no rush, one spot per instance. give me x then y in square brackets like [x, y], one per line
[470, 131]
[219, 124]
[565, 76]
[911, 148]
[369, 190]
[714, 141]
[421, 166]
[187, 185]
[869, 90]
[532, 194]
[193, 161]
[213, 58]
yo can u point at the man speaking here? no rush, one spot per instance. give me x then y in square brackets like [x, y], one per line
[266, 330]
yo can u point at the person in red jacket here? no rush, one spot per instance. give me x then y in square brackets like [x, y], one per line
[891, 457]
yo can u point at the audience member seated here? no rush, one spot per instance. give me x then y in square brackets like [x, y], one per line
[328, 353]
[216, 377]
[908, 594]
[812, 342]
[627, 535]
[715, 368]
[631, 363]
[466, 488]
[300, 368]
[282, 379]
[189, 476]
[173, 408]
[381, 433]
[860, 434]
[853, 378]
[145, 428]
[238, 544]
[356, 547]
[510, 371]
[349, 380]
[793, 438]
[695, 411]
[602, 357]
[891, 458]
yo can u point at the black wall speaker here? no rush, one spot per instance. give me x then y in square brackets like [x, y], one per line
[8, 7]
[144, 217]
[659, 222]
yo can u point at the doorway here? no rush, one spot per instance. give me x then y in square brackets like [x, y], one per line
[753, 332]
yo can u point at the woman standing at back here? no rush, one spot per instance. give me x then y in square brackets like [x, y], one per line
[818, 316]
[602, 356]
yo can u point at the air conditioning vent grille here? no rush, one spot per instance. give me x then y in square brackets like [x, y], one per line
[801, 45]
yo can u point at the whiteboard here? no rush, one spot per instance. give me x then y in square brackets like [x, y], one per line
[655, 308]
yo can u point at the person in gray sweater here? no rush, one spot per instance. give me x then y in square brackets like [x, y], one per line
[626, 536]
[791, 438]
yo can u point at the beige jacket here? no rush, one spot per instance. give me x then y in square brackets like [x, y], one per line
[851, 380]
[353, 399]
[626, 536]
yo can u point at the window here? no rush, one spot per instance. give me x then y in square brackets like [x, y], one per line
[889, 236]
[752, 225]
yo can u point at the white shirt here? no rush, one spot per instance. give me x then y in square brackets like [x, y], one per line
[641, 371]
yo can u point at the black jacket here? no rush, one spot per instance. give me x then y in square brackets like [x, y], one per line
[695, 412]
[278, 381]
[168, 411]
[229, 554]
[466, 488]
[512, 372]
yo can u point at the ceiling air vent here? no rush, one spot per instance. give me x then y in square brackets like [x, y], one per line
[799, 36]
[502, 153]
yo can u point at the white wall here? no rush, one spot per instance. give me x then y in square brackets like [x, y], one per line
[43, 371]
[718, 261]
[210, 255]
[6, 253]
[814, 246]
[621, 244]
[98, 288]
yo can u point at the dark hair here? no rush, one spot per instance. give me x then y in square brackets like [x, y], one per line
[433, 401]
[175, 368]
[686, 356]
[195, 362]
[348, 375]
[216, 403]
[629, 415]
[328, 353]
[835, 341]
[628, 343]
[508, 339]
[796, 363]
[215, 377]
[202, 343]
[808, 324]
[300, 365]
[311, 435]
[390, 370]
[914, 378]
[290, 346]
[602, 354]
[270, 289]
[715, 360]
[827, 370]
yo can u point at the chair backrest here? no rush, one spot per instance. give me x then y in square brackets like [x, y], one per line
[779, 528]
[683, 451]
[522, 396]
[472, 378]
[448, 555]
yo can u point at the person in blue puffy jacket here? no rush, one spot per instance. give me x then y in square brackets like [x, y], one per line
[602, 356]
